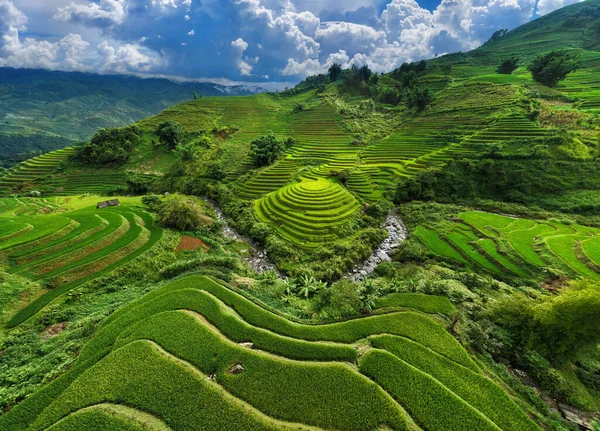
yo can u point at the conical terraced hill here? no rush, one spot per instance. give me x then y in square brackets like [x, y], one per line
[309, 212]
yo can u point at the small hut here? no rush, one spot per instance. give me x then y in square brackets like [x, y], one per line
[106, 204]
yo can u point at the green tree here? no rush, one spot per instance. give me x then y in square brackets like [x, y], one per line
[551, 68]
[110, 146]
[181, 213]
[508, 66]
[419, 98]
[334, 72]
[170, 134]
[265, 149]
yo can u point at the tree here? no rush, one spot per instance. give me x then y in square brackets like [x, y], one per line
[551, 68]
[364, 73]
[265, 149]
[170, 134]
[308, 285]
[508, 66]
[419, 98]
[109, 146]
[447, 69]
[181, 214]
[390, 96]
[334, 72]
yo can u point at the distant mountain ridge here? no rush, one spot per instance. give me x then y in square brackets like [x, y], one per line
[43, 110]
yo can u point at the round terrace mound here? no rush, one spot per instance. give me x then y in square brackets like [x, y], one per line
[308, 213]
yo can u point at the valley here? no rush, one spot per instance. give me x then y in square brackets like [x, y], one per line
[411, 250]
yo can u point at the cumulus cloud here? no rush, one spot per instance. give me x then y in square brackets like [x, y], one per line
[107, 13]
[127, 58]
[240, 46]
[547, 6]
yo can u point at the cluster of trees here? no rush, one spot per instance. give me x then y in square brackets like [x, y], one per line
[552, 68]
[177, 212]
[170, 134]
[508, 66]
[109, 146]
[265, 149]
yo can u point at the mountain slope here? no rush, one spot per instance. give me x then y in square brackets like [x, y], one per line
[43, 110]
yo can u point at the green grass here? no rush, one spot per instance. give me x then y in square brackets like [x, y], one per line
[478, 391]
[66, 249]
[517, 246]
[156, 356]
[426, 303]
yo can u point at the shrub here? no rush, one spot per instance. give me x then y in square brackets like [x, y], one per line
[419, 98]
[182, 214]
[264, 150]
[109, 146]
[170, 134]
[551, 68]
[508, 66]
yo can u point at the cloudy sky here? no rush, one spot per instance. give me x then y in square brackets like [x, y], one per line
[247, 40]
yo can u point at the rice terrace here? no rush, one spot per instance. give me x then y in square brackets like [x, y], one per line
[408, 248]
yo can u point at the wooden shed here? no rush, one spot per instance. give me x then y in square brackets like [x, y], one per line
[106, 204]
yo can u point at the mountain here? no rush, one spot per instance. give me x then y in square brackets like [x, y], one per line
[418, 250]
[44, 110]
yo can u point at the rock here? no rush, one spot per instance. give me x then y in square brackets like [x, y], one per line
[246, 345]
[236, 369]
[573, 415]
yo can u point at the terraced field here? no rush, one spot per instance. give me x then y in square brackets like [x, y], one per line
[516, 247]
[63, 250]
[198, 352]
[25, 174]
[308, 213]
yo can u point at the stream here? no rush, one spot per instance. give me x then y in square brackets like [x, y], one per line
[259, 261]
[397, 234]
[257, 258]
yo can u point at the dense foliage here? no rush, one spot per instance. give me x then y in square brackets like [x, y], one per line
[551, 68]
[508, 66]
[170, 134]
[110, 146]
[265, 149]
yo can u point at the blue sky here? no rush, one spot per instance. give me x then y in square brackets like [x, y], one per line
[254, 41]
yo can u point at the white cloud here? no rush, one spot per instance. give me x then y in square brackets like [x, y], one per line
[104, 14]
[191, 33]
[547, 6]
[240, 46]
[127, 58]
[173, 4]
[11, 17]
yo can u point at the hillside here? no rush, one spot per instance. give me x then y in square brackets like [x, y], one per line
[417, 250]
[42, 110]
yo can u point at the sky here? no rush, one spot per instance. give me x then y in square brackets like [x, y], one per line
[254, 41]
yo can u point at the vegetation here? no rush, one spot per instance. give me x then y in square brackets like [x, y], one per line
[266, 321]
[552, 68]
[508, 66]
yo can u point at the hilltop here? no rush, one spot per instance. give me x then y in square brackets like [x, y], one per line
[154, 314]
[42, 110]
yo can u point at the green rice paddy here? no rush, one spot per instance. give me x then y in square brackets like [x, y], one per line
[168, 360]
[515, 247]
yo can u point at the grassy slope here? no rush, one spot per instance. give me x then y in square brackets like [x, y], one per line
[162, 332]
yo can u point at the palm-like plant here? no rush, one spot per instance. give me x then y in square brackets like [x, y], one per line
[309, 284]
[289, 286]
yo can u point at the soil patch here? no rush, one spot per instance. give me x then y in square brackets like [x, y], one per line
[191, 243]
[53, 330]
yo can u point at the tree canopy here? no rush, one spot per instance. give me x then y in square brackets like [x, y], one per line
[265, 149]
[551, 68]
[508, 66]
[170, 133]
[110, 146]
[334, 72]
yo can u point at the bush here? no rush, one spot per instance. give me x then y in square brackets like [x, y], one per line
[419, 98]
[110, 146]
[553, 67]
[181, 214]
[264, 150]
[170, 134]
[342, 299]
[508, 66]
